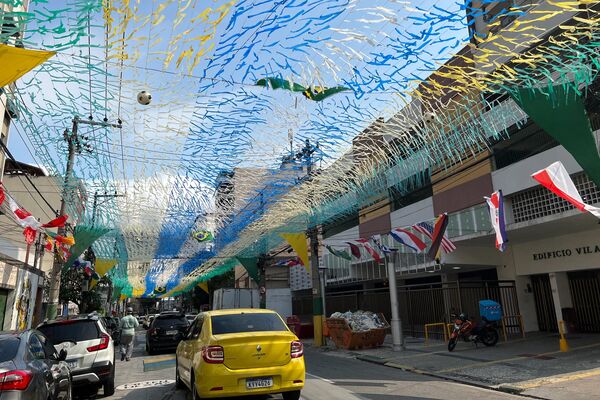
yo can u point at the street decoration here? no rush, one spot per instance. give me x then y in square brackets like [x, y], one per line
[202, 236]
[556, 179]
[496, 206]
[439, 228]
[298, 243]
[428, 231]
[339, 253]
[316, 93]
[292, 262]
[210, 126]
[17, 61]
[408, 239]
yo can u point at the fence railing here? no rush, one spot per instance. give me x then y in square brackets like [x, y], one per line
[422, 304]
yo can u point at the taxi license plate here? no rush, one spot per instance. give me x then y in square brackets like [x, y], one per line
[72, 364]
[257, 383]
[172, 332]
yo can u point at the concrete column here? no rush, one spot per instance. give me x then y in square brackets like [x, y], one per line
[561, 293]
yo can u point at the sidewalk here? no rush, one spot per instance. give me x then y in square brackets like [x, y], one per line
[533, 366]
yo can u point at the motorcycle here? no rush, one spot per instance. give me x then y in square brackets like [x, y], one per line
[465, 328]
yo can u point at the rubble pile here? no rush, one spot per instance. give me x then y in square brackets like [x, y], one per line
[361, 321]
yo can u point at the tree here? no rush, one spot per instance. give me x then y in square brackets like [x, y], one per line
[73, 287]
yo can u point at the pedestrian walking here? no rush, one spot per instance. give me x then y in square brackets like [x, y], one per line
[127, 326]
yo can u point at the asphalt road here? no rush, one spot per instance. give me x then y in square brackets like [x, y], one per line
[330, 376]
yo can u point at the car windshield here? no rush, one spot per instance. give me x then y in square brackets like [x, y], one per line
[8, 348]
[254, 322]
[170, 321]
[71, 330]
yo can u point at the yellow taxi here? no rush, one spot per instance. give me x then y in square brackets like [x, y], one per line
[240, 352]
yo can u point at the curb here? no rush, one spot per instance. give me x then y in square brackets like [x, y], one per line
[504, 388]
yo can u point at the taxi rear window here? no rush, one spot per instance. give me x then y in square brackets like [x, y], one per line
[254, 322]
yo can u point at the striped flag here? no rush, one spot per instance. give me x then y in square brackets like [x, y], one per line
[367, 246]
[496, 205]
[427, 230]
[556, 179]
[439, 228]
[408, 239]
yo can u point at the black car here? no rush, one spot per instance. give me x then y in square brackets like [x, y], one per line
[165, 332]
[31, 369]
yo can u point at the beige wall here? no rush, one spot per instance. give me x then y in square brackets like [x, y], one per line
[572, 252]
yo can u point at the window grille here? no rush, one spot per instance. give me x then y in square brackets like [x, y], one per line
[539, 202]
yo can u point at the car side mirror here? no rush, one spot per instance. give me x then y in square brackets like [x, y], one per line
[62, 355]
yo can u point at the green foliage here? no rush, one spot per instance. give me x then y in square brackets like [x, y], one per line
[73, 287]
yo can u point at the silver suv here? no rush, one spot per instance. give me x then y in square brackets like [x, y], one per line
[90, 350]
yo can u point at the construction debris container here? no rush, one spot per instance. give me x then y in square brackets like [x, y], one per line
[344, 338]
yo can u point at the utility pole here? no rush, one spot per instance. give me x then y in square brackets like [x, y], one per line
[262, 284]
[397, 336]
[317, 288]
[74, 146]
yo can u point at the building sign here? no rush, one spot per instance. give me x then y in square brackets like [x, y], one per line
[561, 253]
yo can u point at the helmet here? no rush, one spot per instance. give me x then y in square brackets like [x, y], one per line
[129, 310]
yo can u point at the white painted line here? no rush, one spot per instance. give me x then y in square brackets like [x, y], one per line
[322, 379]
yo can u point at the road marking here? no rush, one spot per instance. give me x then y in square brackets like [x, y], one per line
[589, 346]
[321, 379]
[534, 383]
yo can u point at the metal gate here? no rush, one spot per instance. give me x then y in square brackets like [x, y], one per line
[585, 292]
[544, 303]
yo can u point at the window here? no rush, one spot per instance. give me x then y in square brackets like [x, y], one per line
[8, 347]
[196, 328]
[169, 321]
[49, 349]
[36, 348]
[252, 322]
[71, 330]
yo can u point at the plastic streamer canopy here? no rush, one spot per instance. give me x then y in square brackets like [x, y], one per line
[262, 119]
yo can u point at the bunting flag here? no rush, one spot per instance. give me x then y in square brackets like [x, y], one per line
[496, 205]
[17, 61]
[203, 286]
[556, 179]
[408, 239]
[292, 262]
[339, 253]
[57, 222]
[354, 249]
[384, 249]
[102, 266]
[427, 230]
[365, 243]
[438, 235]
[298, 243]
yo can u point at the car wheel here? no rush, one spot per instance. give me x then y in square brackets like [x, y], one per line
[195, 395]
[178, 382]
[109, 386]
[295, 395]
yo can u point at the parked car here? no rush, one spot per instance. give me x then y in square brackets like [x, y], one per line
[112, 326]
[166, 331]
[240, 352]
[190, 317]
[90, 348]
[31, 368]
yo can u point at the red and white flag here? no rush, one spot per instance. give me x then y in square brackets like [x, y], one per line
[556, 179]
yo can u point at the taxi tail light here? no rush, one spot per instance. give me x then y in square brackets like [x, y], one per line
[213, 354]
[104, 340]
[297, 349]
[15, 380]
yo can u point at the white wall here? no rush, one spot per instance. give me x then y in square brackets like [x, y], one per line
[410, 215]
[340, 238]
[517, 177]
